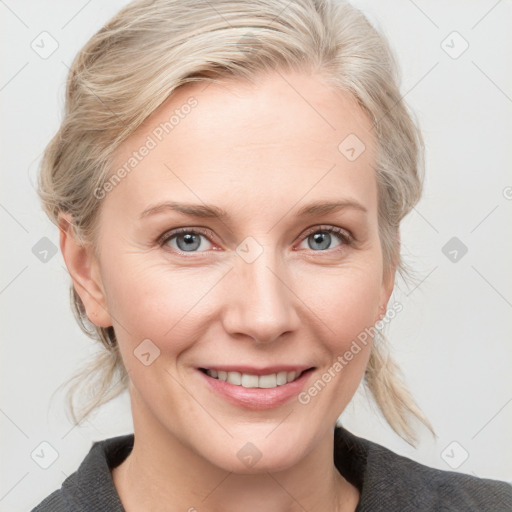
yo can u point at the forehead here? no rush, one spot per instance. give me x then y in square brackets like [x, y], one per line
[283, 137]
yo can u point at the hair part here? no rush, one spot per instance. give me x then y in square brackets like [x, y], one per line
[149, 49]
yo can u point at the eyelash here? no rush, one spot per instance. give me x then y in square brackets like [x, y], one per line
[345, 237]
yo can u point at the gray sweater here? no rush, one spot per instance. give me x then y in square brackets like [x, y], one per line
[388, 482]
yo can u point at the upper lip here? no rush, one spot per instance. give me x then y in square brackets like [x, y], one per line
[251, 370]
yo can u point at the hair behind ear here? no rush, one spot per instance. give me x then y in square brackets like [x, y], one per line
[384, 379]
[102, 377]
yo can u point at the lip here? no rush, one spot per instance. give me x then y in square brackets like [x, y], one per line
[257, 398]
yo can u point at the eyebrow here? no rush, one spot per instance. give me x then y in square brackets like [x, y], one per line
[214, 212]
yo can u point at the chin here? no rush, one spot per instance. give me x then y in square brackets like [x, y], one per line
[254, 454]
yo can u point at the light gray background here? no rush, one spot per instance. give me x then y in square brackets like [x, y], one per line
[453, 337]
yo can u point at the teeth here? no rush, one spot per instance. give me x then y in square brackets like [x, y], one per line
[282, 378]
[268, 381]
[255, 381]
[234, 378]
[250, 381]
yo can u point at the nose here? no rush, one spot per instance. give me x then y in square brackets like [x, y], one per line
[260, 302]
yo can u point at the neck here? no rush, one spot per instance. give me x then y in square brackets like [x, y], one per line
[162, 474]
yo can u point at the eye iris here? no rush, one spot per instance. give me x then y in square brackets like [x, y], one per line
[191, 242]
[322, 238]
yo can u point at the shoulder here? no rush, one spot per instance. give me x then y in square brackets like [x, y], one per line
[91, 488]
[389, 481]
[426, 488]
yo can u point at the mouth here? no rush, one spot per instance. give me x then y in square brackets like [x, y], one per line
[257, 379]
[256, 388]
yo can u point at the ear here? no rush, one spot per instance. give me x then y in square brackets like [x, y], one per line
[83, 267]
[388, 284]
[388, 281]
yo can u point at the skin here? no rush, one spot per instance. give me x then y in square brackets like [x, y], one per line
[260, 152]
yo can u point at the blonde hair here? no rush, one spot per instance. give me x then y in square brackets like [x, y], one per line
[148, 50]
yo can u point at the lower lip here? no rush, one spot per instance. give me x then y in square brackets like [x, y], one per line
[257, 398]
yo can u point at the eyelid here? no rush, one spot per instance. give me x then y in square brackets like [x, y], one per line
[164, 238]
[342, 233]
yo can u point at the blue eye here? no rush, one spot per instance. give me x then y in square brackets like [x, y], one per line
[320, 239]
[186, 240]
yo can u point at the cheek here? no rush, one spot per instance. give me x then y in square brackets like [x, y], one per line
[346, 313]
[156, 302]
[346, 300]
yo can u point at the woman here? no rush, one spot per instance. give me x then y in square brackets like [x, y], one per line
[229, 181]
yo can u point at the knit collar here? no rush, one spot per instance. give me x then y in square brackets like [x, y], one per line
[350, 458]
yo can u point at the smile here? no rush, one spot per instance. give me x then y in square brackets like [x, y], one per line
[247, 380]
[256, 388]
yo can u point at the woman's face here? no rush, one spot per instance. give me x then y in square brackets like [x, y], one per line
[264, 288]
